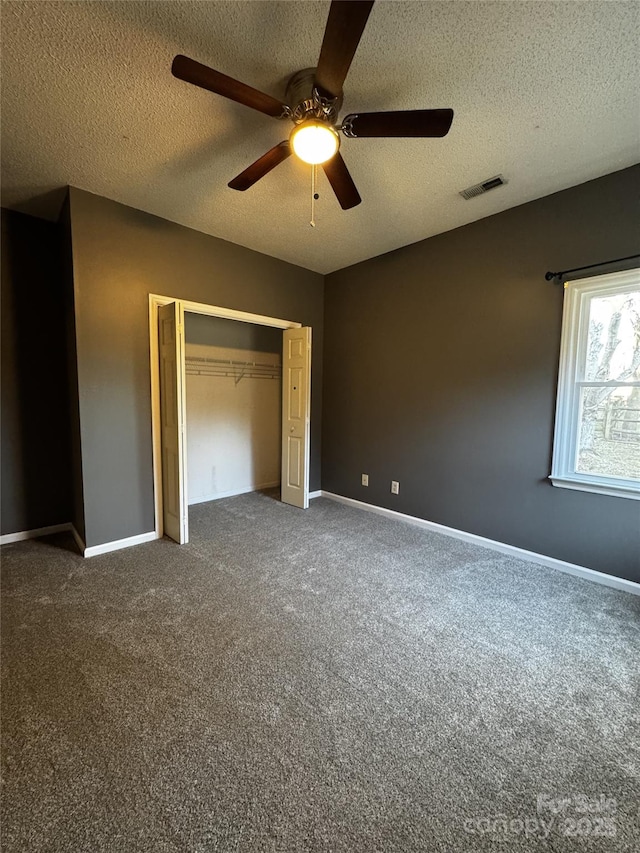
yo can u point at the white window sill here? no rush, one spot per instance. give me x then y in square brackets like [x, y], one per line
[621, 490]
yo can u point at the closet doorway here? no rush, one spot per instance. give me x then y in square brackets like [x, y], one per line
[168, 353]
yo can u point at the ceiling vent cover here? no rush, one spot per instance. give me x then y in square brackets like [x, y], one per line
[484, 187]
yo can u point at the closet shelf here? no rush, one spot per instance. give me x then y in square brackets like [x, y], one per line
[200, 366]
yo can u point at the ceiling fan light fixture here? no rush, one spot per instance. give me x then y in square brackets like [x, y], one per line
[314, 141]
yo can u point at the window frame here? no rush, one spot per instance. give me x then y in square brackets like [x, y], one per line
[575, 331]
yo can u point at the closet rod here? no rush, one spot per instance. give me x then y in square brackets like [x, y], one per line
[256, 374]
[232, 363]
[231, 369]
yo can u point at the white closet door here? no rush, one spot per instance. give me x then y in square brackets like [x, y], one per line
[296, 411]
[173, 418]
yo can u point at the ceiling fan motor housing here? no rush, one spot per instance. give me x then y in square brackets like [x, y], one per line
[306, 101]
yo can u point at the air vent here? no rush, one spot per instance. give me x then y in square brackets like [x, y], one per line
[484, 187]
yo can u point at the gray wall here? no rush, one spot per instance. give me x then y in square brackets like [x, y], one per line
[121, 255]
[218, 332]
[440, 372]
[36, 482]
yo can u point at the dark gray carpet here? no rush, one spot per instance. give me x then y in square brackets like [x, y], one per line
[314, 681]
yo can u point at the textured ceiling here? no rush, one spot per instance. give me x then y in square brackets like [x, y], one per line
[545, 93]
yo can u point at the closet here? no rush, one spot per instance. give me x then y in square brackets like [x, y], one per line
[233, 378]
[230, 407]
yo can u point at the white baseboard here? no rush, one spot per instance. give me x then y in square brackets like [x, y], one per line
[216, 496]
[79, 539]
[118, 544]
[317, 494]
[7, 538]
[68, 527]
[494, 545]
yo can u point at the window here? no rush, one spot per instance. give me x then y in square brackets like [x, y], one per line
[597, 436]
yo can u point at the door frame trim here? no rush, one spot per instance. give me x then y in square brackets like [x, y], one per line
[155, 300]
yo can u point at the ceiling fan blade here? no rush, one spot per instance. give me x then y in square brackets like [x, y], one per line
[260, 168]
[200, 75]
[404, 123]
[345, 25]
[341, 182]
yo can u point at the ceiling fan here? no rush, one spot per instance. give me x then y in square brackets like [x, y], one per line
[313, 101]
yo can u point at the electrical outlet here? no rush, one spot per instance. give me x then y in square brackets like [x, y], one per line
[395, 487]
[365, 479]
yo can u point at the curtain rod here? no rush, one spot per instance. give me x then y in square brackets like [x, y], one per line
[560, 275]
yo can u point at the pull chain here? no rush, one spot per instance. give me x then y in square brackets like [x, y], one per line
[312, 223]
